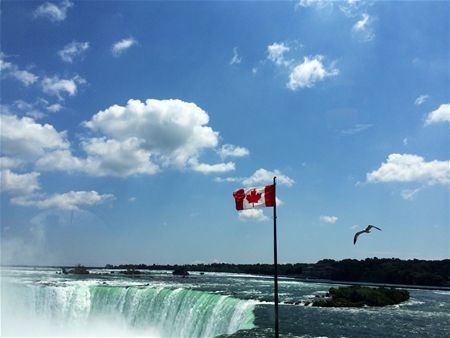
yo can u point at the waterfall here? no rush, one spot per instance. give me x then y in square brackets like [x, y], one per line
[161, 310]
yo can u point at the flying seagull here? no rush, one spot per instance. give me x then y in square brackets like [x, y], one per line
[367, 229]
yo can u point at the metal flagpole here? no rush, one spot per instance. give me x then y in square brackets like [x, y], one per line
[275, 263]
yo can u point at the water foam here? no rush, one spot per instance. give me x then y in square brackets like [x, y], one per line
[87, 308]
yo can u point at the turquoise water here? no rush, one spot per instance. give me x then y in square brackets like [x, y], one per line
[40, 302]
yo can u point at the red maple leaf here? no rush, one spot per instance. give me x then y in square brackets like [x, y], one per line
[253, 197]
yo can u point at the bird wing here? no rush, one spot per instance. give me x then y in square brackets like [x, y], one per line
[356, 236]
[373, 226]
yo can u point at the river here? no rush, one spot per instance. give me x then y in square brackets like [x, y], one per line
[41, 302]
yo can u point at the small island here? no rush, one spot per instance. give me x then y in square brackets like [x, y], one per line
[77, 270]
[359, 296]
[180, 272]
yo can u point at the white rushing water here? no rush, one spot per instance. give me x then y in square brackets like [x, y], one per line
[91, 308]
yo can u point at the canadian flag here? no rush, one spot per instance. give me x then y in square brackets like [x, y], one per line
[250, 198]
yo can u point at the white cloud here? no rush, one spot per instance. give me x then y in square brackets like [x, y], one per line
[229, 150]
[109, 157]
[119, 47]
[252, 215]
[357, 128]
[328, 219]
[211, 168]
[72, 200]
[411, 168]
[72, 51]
[310, 71]
[105, 157]
[56, 86]
[139, 138]
[52, 11]
[9, 162]
[260, 176]
[421, 99]
[228, 179]
[263, 176]
[352, 8]
[19, 184]
[24, 139]
[442, 114]
[362, 29]
[11, 70]
[409, 194]
[25, 77]
[62, 160]
[276, 53]
[173, 130]
[54, 108]
[4, 65]
[36, 110]
[236, 59]
[318, 4]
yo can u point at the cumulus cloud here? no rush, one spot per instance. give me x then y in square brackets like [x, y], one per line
[309, 72]
[235, 60]
[411, 168]
[421, 99]
[109, 157]
[25, 191]
[139, 138]
[62, 160]
[119, 47]
[328, 219]
[37, 109]
[4, 65]
[54, 108]
[252, 215]
[260, 176]
[211, 168]
[229, 150]
[57, 87]
[362, 29]
[72, 51]
[276, 52]
[53, 12]
[26, 140]
[11, 70]
[104, 157]
[263, 176]
[19, 184]
[9, 162]
[442, 114]
[24, 76]
[71, 200]
[172, 130]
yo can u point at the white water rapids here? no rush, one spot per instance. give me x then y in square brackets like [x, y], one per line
[90, 308]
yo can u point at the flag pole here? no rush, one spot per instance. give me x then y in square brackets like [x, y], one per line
[275, 263]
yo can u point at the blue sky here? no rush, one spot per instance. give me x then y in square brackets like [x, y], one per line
[126, 126]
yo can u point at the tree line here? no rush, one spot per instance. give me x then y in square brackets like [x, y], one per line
[370, 270]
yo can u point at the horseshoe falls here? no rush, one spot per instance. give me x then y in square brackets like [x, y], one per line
[120, 307]
[40, 302]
